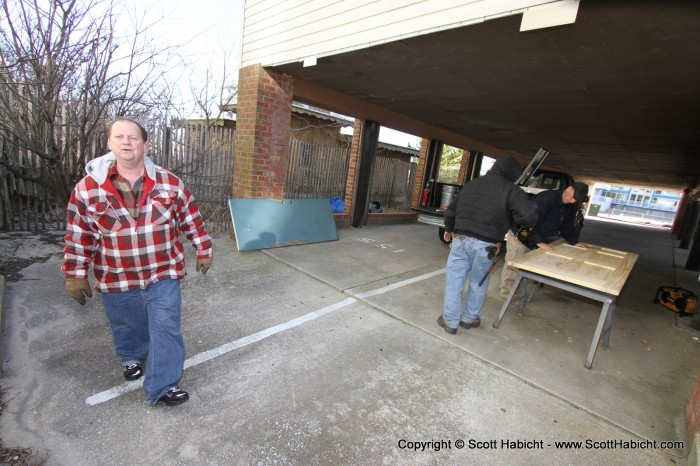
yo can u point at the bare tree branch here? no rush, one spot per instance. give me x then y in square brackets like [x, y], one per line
[64, 72]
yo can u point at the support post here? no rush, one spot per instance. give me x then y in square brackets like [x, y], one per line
[690, 223]
[368, 150]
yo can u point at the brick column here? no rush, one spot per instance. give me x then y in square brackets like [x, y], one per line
[462, 175]
[352, 164]
[420, 180]
[263, 116]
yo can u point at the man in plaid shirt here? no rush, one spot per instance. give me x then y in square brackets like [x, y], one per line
[125, 217]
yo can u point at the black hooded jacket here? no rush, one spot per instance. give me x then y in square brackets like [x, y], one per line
[554, 218]
[485, 207]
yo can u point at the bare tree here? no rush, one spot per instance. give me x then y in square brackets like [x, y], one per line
[64, 71]
[211, 99]
[212, 96]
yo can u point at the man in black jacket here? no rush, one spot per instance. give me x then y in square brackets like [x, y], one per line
[475, 221]
[556, 212]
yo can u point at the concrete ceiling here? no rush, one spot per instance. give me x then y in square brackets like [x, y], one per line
[614, 97]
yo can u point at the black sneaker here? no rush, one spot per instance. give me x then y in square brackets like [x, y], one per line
[133, 371]
[175, 396]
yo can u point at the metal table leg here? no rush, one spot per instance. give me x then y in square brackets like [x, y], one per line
[603, 321]
[535, 285]
[522, 297]
[608, 325]
[506, 303]
[604, 325]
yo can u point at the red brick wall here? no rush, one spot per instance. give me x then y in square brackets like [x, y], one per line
[419, 184]
[466, 155]
[352, 165]
[692, 410]
[263, 118]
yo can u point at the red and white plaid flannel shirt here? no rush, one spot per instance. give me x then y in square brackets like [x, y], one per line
[129, 253]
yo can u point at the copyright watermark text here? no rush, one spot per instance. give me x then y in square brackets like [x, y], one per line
[534, 444]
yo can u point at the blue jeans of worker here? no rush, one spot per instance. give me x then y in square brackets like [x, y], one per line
[146, 326]
[468, 257]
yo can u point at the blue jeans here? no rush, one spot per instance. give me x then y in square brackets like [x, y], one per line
[146, 326]
[468, 256]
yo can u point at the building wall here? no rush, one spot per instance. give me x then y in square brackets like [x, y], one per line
[692, 411]
[262, 135]
[353, 165]
[463, 165]
[420, 181]
[286, 31]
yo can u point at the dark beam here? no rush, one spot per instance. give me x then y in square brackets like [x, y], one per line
[368, 150]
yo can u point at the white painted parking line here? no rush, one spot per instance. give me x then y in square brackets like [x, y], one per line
[223, 349]
[112, 393]
[211, 354]
[396, 285]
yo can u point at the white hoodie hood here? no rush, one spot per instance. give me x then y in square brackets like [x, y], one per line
[98, 168]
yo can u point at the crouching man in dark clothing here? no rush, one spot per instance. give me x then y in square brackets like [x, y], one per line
[556, 216]
[476, 220]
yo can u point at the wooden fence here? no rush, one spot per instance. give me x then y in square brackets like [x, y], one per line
[204, 158]
[392, 182]
[316, 172]
[320, 172]
[26, 204]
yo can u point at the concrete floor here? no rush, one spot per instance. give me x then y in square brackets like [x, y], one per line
[330, 353]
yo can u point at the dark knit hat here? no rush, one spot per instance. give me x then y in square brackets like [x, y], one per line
[580, 191]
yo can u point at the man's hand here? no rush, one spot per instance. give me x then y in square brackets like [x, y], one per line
[447, 236]
[204, 264]
[583, 245]
[545, 246]
[78, 288]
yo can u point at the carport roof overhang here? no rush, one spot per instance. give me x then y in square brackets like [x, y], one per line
[614, 97]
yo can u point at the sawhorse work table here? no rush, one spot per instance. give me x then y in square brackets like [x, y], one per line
[597, 273]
